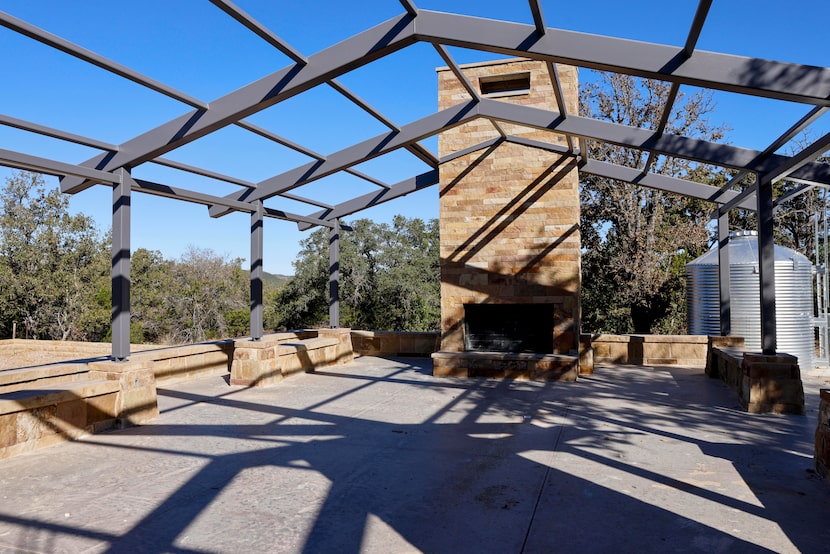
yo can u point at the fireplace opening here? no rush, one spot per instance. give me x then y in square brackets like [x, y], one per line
[508, 328]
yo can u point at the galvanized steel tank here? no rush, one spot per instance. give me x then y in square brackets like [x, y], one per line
[793, 296]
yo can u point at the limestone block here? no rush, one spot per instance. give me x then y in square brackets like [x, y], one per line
[137, 401]
[255, 363]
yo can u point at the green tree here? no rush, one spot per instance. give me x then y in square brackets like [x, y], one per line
[636, 240]
[48, 259]
[389, 278]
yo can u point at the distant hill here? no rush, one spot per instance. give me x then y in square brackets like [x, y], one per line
[275, 279]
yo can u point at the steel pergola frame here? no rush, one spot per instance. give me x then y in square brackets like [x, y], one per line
[679, 66]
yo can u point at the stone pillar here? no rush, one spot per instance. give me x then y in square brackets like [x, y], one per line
[772, 384]
[345, 352]
[586, 355]
[137, 401]
[255, 363]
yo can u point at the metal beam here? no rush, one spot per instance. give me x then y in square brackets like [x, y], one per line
[783, 139]
[659, 182]
[409, 7]
[176, 193]
[349, 207]
[794, 193]
[697, 26]
[259, 29]
[19, 160]
[559, 96]
[265, 133]
[475, 148]
[67, 47]
[804, 157]
[366, 150]
[538, 17]
[55, 133]
[203, 172]
[740, 197]
[354, 52]
[783, 81]
[724, 155]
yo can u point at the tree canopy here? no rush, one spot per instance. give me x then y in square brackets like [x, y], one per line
[636, 241]
[389, 273]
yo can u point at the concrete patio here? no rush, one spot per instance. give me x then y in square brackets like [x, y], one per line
[379, 456]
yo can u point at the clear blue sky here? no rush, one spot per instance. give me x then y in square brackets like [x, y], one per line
[194, 47]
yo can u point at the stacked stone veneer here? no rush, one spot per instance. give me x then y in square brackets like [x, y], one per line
[509, 222]
[764, 383]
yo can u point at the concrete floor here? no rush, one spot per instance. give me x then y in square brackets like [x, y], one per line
[378, 456]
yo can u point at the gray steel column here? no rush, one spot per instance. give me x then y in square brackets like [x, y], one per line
[766, 265]
[121, 266]
[257, 219]
[334, 275]
[723, 275]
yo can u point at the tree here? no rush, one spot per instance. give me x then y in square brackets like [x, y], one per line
[48, 259]
[205, 289]
[637, 240]
[389, 278]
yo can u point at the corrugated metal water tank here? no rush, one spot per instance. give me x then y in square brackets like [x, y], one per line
[793, 296]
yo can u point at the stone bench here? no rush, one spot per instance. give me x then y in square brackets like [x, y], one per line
[764, 383]
[41, 414]
[269, 360]
[26, 377]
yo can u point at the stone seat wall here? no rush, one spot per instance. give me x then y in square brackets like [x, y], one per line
[764, 383]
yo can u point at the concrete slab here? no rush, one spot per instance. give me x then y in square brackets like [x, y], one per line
[379, 456]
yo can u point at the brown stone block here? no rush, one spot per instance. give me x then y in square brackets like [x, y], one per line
[101, 408]
[72, 414]
[8, 430]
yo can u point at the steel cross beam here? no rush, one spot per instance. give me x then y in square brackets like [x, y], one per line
[264, 33]
[366, 150]
[359, 50]
[685, 54]
[55, 133]
[97, 60]
[354, 205]
[643, 139]
[538, 17]
[636, 176]
[19, 160]
[265, 133]
[787, 136]
[684, 147]
[784, 81]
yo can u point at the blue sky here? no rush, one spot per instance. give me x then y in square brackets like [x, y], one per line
[194, 47]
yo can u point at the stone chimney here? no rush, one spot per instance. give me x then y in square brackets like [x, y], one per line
[510, 242]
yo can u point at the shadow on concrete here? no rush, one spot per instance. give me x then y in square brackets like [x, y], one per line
[386, 458]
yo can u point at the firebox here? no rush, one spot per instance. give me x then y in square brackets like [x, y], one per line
[508, 328]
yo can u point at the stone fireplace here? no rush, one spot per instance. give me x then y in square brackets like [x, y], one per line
[510, 242]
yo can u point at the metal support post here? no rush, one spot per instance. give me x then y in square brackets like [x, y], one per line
[121, 266]
[257, 219]
[334, 275]
[766, 265]
[723, 275]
